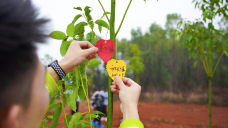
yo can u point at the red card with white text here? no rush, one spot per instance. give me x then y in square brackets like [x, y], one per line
[106, 49]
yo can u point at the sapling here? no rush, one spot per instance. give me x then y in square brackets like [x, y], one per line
[76, 82]
[205, 43]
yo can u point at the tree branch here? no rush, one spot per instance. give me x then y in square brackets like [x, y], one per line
[104, 10]
[123, 18]
[217, 64]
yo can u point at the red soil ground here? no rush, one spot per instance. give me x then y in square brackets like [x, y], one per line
[167, 115]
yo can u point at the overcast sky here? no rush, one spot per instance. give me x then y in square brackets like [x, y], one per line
[140, 14]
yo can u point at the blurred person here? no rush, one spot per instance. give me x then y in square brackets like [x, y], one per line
[95, 91]
[25, 81]
[104, 107]
[97, 103]
[105, 103]
[77, 105]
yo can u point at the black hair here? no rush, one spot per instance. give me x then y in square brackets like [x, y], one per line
[20, 29]
[102, 88]
[95, 89]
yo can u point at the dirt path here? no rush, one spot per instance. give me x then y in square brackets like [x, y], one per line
[167, 115]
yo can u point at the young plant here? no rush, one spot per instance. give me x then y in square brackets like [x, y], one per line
[78, 83]
[205, 43]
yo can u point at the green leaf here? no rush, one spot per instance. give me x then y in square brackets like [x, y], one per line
[82, 72]
[91, 24]
[98, 112]
[74, 119]
[53, 98]
[65, 97]
[87, 10]
[87, 13]
[77, 77]
[70, 30]
[88, 36]
[67, 120]
[190, 38]
[58, 35]
[210, 25]
[50, 117]
[57, 112]
[226, 53]
[72, 100]
[81, 93]
[79, 28]
[92, 116]
[64, 47]
[174, 31]
[207, 43]
[85, 123]
[226, 42]
[196, 39]
[68, 85]
[82, 68]
[59, 83]
[81, 37]
[78, 8]
[53, 125]
[181, 37]
[195, 63]
[79, 125]
[105, 13]
[51, 106]
[100, 28]
[43, 124]
[94, 63]
[76, 18]
[102, 23]
[82, 124]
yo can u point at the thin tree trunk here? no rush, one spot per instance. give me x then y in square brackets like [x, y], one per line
[209, 103]
[112, 37]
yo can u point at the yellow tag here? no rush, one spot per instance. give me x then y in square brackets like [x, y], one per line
[116, 68]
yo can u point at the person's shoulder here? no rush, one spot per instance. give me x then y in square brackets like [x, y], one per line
[106, 94]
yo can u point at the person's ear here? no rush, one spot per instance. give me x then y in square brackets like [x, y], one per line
[13, 116]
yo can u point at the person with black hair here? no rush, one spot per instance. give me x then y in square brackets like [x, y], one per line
[97, 104]
[105, 104]
[23, 93]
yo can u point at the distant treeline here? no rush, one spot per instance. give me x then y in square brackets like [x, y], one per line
[157, 59]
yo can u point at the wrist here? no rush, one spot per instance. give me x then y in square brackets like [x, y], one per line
[130, 105]
[54, 66]
[65, 66]
[130, 112]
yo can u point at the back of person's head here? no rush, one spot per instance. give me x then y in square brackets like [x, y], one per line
[102, 89]
[95, 89]
[20, 28]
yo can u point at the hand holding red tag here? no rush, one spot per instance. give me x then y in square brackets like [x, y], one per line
[106, 49]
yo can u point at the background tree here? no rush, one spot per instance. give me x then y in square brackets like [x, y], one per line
[135, 63]
[203, 43]
[172, 20]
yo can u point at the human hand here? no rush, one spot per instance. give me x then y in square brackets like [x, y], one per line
[77, 52]
[129, 93]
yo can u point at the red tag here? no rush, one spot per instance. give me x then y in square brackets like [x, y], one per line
[106, 49]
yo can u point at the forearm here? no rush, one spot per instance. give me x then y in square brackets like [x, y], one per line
[130, 112]
[54, 75]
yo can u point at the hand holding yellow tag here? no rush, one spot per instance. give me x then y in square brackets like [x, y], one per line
[116, 68]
